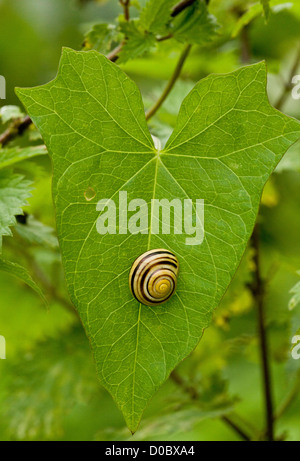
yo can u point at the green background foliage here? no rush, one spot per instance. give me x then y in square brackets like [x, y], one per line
[48, 385]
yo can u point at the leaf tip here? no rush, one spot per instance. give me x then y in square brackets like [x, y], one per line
[133, 420]
[66, 50]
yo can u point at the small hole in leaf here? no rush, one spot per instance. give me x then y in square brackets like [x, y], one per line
[89, 194]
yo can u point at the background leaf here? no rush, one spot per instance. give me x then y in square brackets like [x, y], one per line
[13, 155]
[35, 232]
[8, 113]
[21, 273]
[100, 37]
[195, 25]
[137, 42]
[155, 15]
[14, 190]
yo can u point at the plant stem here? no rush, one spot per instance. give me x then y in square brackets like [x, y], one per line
[177, 9]
[17, 128]
[235, 427]
[126, 6]
[17, 244]
[181, 6]
[193, 393]
[286, 403]
[114, 54]
[171, 82]
[288, 85]
[52, 290]
[289, 399]
[258, 293]
[164, 38]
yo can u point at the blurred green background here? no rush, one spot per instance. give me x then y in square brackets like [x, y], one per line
[48, 386]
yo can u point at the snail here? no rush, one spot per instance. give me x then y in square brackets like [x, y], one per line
[153, 277]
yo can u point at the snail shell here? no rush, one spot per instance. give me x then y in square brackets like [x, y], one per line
[153, 277]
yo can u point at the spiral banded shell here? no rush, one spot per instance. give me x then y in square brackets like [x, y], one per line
[153, 277]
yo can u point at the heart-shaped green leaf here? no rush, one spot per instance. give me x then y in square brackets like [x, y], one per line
[226, 143]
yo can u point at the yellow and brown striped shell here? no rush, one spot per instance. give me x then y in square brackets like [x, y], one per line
[153, 277]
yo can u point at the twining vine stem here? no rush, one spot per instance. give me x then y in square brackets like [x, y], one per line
[171, 82]
[258, 294]
[288, 85]
[126, 6]
[113, 55]
[181, 6]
